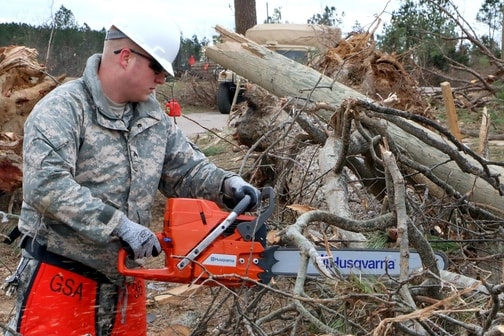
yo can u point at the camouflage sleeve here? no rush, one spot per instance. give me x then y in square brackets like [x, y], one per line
[51, 142]
[187, 172]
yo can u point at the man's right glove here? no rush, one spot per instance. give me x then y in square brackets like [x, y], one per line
[139, 241]
[235, 188]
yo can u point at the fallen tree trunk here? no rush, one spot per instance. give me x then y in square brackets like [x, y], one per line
[284, 77]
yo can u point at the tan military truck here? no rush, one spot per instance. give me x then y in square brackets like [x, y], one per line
[300, 42]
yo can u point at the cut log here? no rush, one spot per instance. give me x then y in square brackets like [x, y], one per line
[284, 77]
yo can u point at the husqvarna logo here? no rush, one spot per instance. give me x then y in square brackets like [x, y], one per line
[226, 260]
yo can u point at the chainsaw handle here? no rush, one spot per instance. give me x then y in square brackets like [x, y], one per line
[121, 265]
[242, 205]
[137, 272]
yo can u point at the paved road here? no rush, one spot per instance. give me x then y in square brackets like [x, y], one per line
[190, 123]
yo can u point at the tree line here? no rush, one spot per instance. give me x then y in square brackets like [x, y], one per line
[64, 46]
[425, 35]
[429, 34]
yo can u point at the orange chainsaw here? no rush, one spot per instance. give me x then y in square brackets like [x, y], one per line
[203, 242]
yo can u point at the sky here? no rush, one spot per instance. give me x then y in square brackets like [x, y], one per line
[199, 17]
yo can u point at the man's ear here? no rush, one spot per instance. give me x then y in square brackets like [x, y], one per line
[124, 57]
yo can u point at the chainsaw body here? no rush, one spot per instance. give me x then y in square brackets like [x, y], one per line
[200, 242]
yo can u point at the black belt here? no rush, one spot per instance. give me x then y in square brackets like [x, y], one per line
[39, 252]
[13, 235]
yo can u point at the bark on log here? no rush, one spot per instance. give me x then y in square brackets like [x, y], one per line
[284, 77]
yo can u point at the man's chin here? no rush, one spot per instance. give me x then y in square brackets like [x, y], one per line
[143, 98]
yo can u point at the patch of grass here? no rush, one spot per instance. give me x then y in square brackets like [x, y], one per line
[496, 117]
[467, 117]
[377, 240]
[214, 150]
[361, 284]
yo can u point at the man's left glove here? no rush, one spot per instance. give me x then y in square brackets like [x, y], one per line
[235, 188]
[138, 240]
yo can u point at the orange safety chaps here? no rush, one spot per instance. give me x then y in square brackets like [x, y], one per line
[63, 301]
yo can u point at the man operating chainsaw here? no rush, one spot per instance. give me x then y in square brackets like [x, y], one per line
[96, 150]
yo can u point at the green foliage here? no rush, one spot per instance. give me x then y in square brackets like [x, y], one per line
[490, 14]
[439, 244]
[70, 47]
[377, 240]
[214, 150]
[64, 19]
[189, 47]
[364, 285]
[329, 17]
[72, 44]
[420, 29]
[499, 87]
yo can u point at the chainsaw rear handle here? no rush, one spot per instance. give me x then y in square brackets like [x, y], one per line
[150, 274]
[121, 264]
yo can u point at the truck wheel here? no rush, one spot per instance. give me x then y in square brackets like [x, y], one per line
[224, 98]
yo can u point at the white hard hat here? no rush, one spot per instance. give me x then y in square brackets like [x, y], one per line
[158, 36]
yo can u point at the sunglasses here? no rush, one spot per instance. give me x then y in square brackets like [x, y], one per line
[153, 64]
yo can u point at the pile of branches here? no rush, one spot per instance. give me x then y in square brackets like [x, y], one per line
[405, 206]
[366, 175]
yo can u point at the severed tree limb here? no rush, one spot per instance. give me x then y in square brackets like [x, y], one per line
[496, 306]
[463, 281]
[336, 189]
[464, 163]
[483, 134]
[294, 232]
[421, 314]
[299, 291]
[417, 239]
[402, 222]
[272, 315]
[399, 199]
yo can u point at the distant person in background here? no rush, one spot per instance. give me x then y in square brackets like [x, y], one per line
[191, 60]
[96, 150]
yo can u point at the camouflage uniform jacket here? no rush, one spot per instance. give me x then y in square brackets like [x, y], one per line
[83, 169]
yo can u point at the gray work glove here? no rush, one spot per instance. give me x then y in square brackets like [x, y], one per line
[139, 241]
[235, 188]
